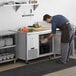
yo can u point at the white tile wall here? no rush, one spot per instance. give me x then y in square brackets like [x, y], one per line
[9, 19]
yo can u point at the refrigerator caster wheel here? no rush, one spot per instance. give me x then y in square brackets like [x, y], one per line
[49, 58]
[14, 61]
[26, 62]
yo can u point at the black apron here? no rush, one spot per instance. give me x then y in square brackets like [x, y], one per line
[65, 37]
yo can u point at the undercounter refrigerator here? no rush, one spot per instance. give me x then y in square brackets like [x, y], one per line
[44, 47]
[31, 45]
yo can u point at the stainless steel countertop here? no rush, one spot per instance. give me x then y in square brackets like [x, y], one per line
[3, 33]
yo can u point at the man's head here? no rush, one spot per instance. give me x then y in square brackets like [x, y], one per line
[47, 18]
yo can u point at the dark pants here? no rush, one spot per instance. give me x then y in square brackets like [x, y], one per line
[65, 39]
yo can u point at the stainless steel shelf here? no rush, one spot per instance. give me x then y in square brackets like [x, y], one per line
[16, 6]
[5, 33]
[7, 60]
[8, 47]
[47, 54]
[22, 4]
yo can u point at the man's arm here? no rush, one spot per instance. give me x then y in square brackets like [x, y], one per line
[50, 36]
[53, 30]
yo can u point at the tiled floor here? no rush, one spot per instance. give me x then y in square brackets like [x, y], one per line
[66, 72]
[8, 66]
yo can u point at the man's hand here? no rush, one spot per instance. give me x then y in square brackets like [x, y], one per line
[44, 40]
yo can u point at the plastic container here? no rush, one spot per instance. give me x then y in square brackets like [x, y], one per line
[1, 58]
[2, 42]
[8, 41]
[10, 56]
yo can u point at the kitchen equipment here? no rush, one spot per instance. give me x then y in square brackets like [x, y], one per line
[4, 56]
[30, 46]
[10, 56]
[7, 46]
[0, 58]
[40, 29]
[44, 44]
[2, 42]
[29, 42]
[8, 41]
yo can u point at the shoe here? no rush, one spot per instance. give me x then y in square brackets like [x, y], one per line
[60, 62]
[67, 60]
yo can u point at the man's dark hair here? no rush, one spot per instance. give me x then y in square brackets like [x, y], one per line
[46, 16]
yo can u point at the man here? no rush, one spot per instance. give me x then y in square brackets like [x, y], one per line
[61, 22]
